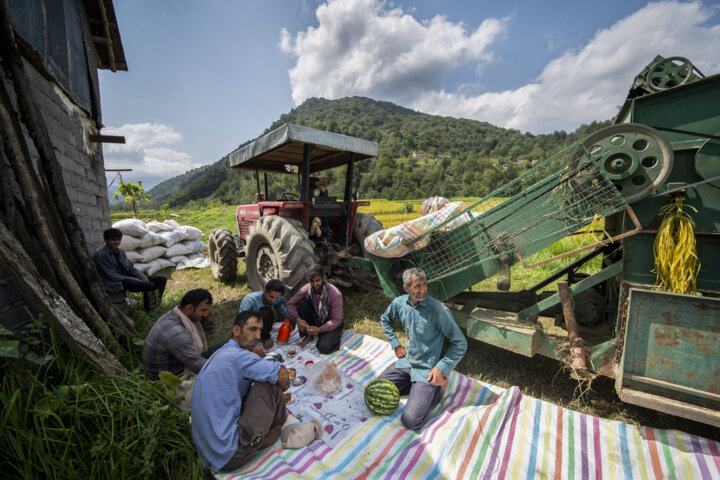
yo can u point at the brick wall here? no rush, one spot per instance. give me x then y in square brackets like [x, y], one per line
[81, 161]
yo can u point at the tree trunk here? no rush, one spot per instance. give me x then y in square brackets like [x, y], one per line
[20, 163]
[15, 263]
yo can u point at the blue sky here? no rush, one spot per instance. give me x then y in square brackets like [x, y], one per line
[207, 75]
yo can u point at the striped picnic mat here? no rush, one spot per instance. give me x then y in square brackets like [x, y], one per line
[482, 431]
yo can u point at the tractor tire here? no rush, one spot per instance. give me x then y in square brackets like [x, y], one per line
[365, 225]
[278, 247]
[223, 254]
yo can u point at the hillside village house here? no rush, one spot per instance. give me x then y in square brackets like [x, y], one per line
[63, 44]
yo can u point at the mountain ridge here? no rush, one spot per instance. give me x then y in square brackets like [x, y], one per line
[419, 155]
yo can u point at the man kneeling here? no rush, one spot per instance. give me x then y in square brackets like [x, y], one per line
[237, 402]
[421, 371]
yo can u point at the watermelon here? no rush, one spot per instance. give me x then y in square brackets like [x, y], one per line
[382, 396]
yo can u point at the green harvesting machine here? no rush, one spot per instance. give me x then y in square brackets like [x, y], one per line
[661, 348]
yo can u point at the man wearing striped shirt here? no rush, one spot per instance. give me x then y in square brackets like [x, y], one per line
[318, 310]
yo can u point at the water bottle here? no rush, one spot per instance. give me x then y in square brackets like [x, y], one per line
[284, 332]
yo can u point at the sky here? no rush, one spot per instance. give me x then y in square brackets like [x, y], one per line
[205, 76]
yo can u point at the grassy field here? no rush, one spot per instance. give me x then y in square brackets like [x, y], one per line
[539, 377]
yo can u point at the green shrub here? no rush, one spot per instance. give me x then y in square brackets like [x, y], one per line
[406, 207]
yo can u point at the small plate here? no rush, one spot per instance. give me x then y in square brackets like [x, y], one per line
[299, 380]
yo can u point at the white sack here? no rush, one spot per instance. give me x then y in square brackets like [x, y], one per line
[151, 239]
[152, 253]
[172, 224]
[143, 267]
[156, 226]
[158, 264]
[178, 249]
[134, 256]
[195, 246]
[130, 243]
[194, 261]
[190, 233]
[178, 259]
[171, 237]
[131, 226]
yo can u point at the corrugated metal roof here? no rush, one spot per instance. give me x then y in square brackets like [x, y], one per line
[284, 146]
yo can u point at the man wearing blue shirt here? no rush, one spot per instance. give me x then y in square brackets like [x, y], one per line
[422, 370]
[237, 402]
[268, 302]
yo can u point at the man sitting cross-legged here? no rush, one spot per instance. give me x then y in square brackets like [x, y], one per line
[176, 341]
[237, 402]
[318, 309]
[268, 302]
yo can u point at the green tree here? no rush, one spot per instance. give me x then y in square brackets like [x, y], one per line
[134, 193]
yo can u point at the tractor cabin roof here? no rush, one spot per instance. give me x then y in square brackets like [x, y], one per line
[282, 147]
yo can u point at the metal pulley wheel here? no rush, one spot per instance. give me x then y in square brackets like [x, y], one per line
[669, 72]
[635, 157]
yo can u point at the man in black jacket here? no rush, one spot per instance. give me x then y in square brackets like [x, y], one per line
[117, 273]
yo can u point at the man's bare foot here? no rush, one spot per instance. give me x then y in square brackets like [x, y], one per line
[271, 436]
[303, 343]
[268, 343]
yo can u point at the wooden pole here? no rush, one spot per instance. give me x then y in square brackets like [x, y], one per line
[18, 267]
[19, 162]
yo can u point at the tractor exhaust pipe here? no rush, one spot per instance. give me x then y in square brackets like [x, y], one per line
[578, 356]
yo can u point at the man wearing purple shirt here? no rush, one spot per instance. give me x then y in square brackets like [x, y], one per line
[237, 402]
[318, 309]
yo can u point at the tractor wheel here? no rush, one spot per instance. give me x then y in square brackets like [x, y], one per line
[223, 254]
[365, 225]
[278, 247]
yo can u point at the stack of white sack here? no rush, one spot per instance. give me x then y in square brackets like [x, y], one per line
[156, 245]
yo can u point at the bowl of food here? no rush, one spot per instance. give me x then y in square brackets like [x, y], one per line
[288, 398]
[299, 380]
[291, 353]
[292, 372]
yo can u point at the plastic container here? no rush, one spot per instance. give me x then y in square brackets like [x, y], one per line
[284, 332]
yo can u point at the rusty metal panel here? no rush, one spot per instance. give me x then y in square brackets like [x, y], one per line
[670, 351]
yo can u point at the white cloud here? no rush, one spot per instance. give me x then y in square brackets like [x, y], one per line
[145, 152]
[360, 47]
[590, 84]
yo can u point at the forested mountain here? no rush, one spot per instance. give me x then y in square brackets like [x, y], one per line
[163, 191]
[420, 155]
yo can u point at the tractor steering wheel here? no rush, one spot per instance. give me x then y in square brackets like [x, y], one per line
[287, 196]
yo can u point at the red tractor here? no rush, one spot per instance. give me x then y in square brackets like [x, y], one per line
[281, 238]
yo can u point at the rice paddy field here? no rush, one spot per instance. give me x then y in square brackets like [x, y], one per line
[539, 376]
